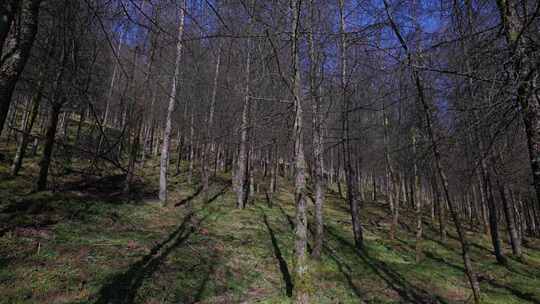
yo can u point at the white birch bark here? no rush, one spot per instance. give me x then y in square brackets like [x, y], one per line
[164, 164]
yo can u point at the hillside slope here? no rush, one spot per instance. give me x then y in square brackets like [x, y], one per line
[88, 244]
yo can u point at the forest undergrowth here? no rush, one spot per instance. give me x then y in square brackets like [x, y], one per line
[86, 243]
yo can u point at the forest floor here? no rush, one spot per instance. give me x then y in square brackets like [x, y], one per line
[86, 243]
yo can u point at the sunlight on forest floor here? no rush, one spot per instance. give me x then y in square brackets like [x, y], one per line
[90, 245]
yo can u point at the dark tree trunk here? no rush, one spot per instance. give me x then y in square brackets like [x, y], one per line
[469, 271]
[133, 152]
[242, 175]
[508, 209]
[17, 46]
[7, 13]
[493, 220]
[348, 162]
[48, 149]
[525, 66]
[440, 208]
[21, 149]
[82, 118]
[179, 152]
[317, 121]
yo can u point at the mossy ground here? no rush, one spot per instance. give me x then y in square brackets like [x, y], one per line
[87, 243]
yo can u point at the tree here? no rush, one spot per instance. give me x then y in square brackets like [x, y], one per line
[350, 169]
[471, 275]
[524, 58]
[164, 164]
[302, 281]
[317, 129]
[242, 176]
[18, 28]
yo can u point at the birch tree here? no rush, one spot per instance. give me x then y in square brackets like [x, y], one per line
[167, 132]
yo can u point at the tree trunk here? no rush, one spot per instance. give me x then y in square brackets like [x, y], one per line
[439, 202]
[302, 282]
[390, 180]
[106, 115]
[17, 48]
[416, 197]
[492, 214]
[471, 275]
[510, 220]
[318, 148]
[395, 211]
[179, 151]
[45, 162]
[351, 174]
[191, 148]
[273, 169]
[133, 152]
[208, 148]
[526, 73]
[164, 162]
[21, 149]
[242, 171]
[7, 14]
[82, 119]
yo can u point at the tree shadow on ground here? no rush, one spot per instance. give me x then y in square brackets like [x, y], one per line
[189, 198]
[279, 257]
[123, 287]
[407, 291]
[43, 210]
[289, 219]
[292, 225]
[345, 269]
[454, 237]
[457, 249]
[109, 189]
[471, 243]
[268, 197]
[482, 278]
[31, 213]
[210, 269]
[218, 194]
[530, 297]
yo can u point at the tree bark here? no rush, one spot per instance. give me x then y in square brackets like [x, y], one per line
[133, 152]
[164, 161]
[7, 14]
[492, 214]
[318, 148]
[441, 209]
[390, 178]
[25, 137]
[17, 48]
[351, 174]
[302, 282]
[45, 162]
[242, 161]
[209, 149]
[525, 68]
[508, 209]
[191, 148]
[416, 197]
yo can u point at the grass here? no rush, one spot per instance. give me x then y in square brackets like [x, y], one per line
[92, 245]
